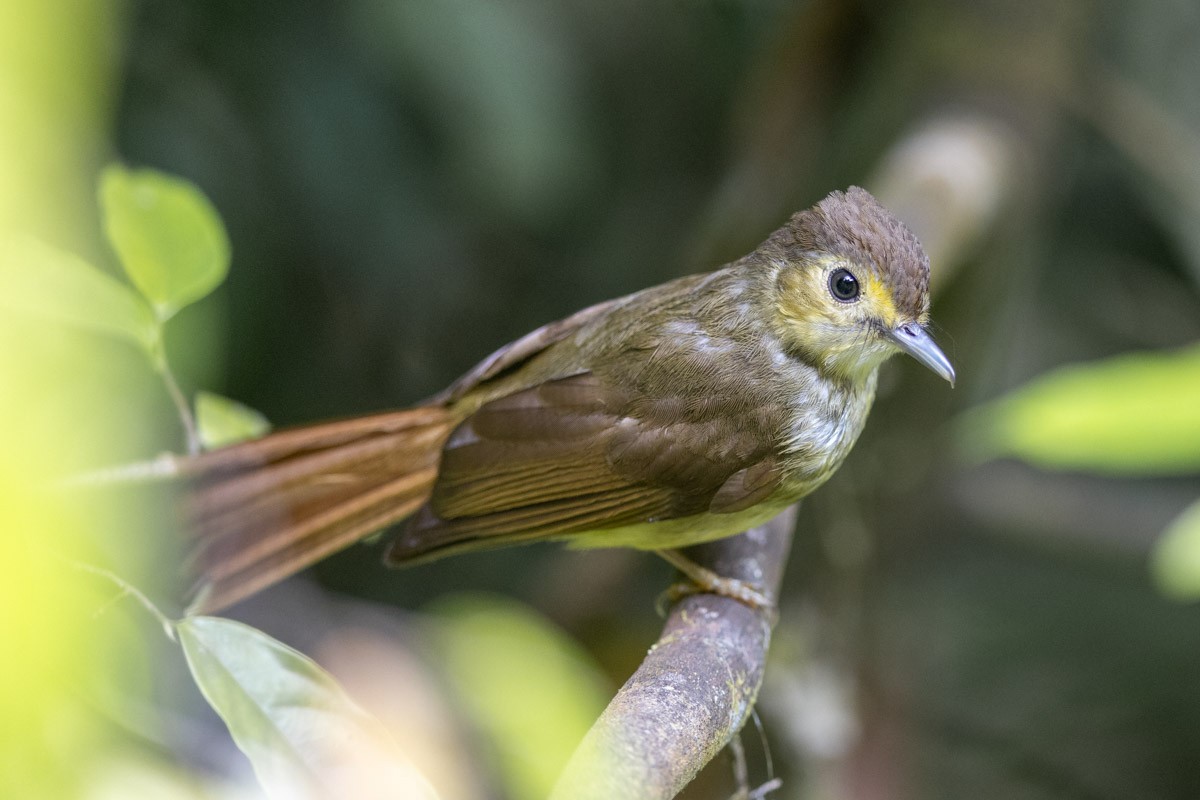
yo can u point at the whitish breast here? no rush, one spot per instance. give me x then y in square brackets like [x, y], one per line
[825, 424]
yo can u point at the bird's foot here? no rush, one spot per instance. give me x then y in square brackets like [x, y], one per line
[702, 580]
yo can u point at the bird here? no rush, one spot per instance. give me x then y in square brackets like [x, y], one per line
[680, 414]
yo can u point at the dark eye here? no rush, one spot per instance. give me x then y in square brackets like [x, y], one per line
[843, 285]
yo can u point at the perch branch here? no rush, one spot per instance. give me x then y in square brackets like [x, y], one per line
[696, 687]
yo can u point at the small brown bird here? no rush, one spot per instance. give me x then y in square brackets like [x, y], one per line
[680, 414]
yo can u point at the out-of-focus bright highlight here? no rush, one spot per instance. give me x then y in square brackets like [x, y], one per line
[1135, 414]
[528, 687]
[1176, 556]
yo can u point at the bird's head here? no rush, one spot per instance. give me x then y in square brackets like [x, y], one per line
[852, 287]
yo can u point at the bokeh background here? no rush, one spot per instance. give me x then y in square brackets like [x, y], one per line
[409, 184]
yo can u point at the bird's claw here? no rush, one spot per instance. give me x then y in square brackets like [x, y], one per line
[702, 580]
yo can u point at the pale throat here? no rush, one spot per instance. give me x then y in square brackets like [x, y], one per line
[858, 358]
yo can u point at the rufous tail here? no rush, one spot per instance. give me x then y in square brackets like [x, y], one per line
[266, 509]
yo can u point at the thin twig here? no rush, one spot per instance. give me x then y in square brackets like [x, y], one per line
[128, 589]
[741, 775]
[181, 405]
[163, 467]
[766, 789]
[766, 745]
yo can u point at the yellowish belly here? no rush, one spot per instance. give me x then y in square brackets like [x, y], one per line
[682, 532]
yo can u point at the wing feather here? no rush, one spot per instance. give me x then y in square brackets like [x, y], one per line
[577, 454]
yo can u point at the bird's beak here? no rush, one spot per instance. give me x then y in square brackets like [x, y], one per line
[914, 340]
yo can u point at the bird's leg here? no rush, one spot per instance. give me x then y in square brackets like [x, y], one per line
[704, 580]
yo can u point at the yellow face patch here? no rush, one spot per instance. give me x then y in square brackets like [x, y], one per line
[805, 296]
[838, 333]
[802, 299]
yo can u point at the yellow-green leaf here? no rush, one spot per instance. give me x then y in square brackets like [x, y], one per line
[42, 281]
[304, 736]
[1175, 560]
[221, 421]
[530, 689]
[169, 238]
[1133, 414]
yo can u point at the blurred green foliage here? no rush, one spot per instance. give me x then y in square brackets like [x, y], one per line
[221, 421]
[56, 98]
[173, 246]
[303, 735]
[170, 242]
[168, 236]
[1176, 557]
[44, 282]
[502, 661]
[1132, 415]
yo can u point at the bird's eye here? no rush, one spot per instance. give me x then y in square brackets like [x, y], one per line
[843, 285]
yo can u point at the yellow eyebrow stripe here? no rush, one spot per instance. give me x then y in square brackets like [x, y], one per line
[879, 299]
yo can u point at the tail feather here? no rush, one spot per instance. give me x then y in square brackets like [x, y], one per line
[263, 510]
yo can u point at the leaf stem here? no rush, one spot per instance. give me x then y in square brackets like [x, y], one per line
[177, 397]
[129, 589]
[161, 468]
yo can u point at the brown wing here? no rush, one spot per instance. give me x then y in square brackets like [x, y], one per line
[579, 454]
[514, 354]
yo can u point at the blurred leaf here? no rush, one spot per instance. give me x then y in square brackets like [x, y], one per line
[168, 235]
[221, 421]
[1130, 414]
[525, 684]
[303, 734]
[128, 772]
[1175, 560]
[39, 280]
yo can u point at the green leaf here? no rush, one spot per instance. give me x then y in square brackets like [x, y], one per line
[304, 736]
[1133, 414]
[524, 684]
[1175, 560]
[221, 421]
[41, 281]
[167, 234]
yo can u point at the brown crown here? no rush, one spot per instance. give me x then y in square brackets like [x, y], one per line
[853, 225]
